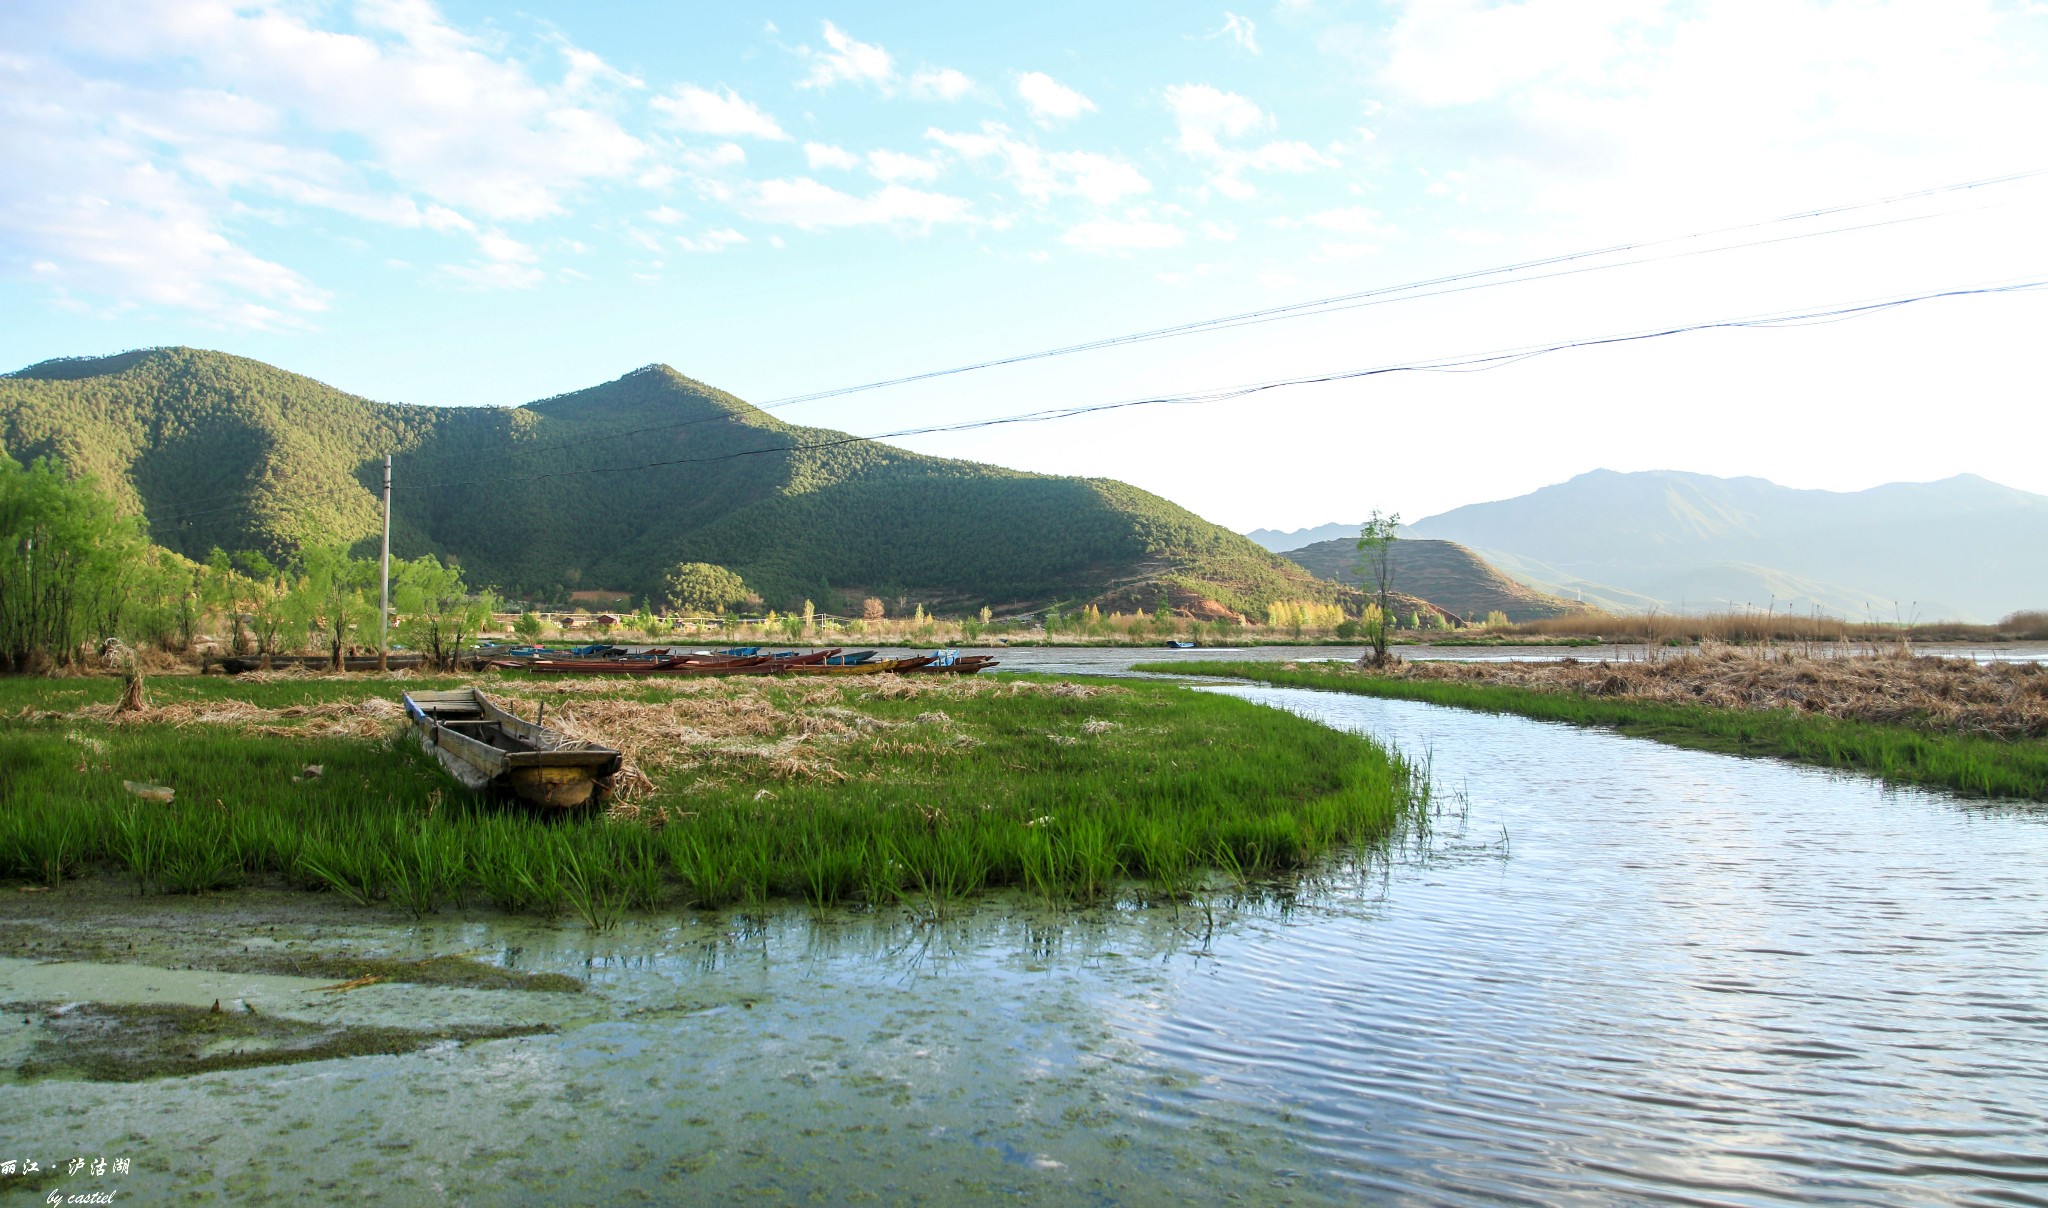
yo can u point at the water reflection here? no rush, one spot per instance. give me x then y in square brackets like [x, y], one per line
[1601, 970]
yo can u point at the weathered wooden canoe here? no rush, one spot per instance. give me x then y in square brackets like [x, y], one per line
[484, 746]
[881, 667]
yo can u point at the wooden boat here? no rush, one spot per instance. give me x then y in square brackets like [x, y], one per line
[484, 746]
[1174, 644]
[872, 668]
[951, 664]
[682, 664]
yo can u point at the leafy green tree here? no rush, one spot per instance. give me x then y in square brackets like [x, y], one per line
[529, 627]
[704, 587]
[334, 597]
[440, 612]
[1376, 570]
[269, 612]
[67, 559]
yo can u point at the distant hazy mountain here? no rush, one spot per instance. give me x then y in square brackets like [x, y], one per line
[1280, 543]
[1962, 547]
[1442, 572]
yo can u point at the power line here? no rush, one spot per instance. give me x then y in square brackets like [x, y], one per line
[1471, 362]
[1460, 363]
[1379, 295]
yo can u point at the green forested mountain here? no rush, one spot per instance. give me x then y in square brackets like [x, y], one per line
[1442, 572]
[217, 450]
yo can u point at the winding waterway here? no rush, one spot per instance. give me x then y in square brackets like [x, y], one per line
[1614, 972]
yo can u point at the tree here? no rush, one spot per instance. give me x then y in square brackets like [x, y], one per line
[1376, 569]
[703, 587]
[268, 611]
[440, 613]
[528, 627]
[67, 558]
[871, 609]
[330, 598]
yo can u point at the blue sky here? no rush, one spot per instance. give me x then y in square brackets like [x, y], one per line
[466, 204]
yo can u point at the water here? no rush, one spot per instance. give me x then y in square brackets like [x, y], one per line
[1615, 972]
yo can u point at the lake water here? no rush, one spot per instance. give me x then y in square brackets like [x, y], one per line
[1614, 972]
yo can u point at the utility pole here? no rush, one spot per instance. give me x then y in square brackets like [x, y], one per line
[384, 596]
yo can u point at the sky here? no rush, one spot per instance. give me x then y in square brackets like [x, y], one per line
[472, 204]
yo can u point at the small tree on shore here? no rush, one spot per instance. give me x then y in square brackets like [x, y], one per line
[704, 587]
[1376, 569]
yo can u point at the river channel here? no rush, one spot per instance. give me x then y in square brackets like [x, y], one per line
[1612, 972]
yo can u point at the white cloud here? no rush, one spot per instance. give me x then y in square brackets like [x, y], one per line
[1210, 122]
[1240, 30]
[724, 113]
[897, 165]
[1348, 251]
[711, 241]
[1049, 100]
[711, 159]
[1604, 110]
[1132, 233]
[666, 215]
[177, 122]
[805, 203]
[1221, 232]
[1041, 175]
[847, 61]
[940, 84]
[1207, 115]
[821, 155]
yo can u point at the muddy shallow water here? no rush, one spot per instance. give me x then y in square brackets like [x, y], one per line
[1615, 972]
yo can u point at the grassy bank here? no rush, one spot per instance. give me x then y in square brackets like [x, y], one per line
[1899, 751]
[738, 791]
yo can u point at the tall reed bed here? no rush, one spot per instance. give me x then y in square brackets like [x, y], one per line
[1757, 626]
[1908, 749]
[829, 794]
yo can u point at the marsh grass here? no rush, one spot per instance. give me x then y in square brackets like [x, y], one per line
[917, 793]
[1913, 746]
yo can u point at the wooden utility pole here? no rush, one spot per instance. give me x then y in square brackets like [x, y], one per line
[384, 596]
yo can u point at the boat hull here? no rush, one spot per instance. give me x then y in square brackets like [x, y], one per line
[483, 746]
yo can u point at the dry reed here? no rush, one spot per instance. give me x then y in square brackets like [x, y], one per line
[2007, 700]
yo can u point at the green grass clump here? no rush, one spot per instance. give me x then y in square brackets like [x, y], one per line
[1079, 794]
[1963, 763]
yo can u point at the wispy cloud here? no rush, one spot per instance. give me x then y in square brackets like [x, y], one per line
[1240, 30]
[724, 112]
[1212, 125]
[1040, 175]
[1049, 100]
[804, 203]
[846, 60]
[940, 84]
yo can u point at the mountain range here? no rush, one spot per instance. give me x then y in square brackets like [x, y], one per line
[1443, 572]
[610, 486]
[1963, 548]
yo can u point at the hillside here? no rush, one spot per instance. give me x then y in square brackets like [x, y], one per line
[217, 450]
[1962, 548]
[1281, 542]
[1442, 572]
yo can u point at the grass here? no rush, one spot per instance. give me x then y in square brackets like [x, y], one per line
[1971, 764]
[832, 793]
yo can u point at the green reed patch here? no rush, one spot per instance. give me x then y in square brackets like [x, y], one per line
[875, 793]
[1970, 764]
